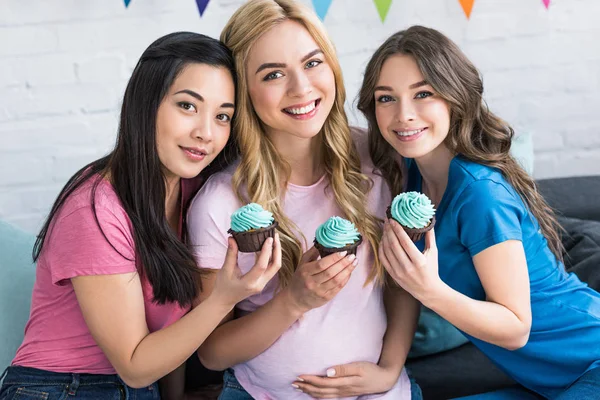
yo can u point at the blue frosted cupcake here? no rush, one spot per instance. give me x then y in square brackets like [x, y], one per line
[414, 212]
[335, 235]
[251, 225]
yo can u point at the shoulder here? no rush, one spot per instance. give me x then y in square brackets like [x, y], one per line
[482, 181]
[483, 196]
[214, 203]
[95, 196]
[216, 188]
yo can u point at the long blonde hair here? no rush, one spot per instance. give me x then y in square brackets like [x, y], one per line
[262, 172]
[475, 133]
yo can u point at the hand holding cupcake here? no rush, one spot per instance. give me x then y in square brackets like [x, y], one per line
[251, 225]
[414, 212]
[335, 235]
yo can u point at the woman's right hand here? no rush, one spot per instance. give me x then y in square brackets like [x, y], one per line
[232, 286]
[316, 281]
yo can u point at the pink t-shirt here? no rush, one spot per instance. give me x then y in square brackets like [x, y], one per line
[56, 335]
[348, 328]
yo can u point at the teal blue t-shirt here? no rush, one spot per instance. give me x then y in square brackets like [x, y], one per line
[480, 209]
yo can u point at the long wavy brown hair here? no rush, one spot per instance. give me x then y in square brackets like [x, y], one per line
[475, 132]
[262, 174]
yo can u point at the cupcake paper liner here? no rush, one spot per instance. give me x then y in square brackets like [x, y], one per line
[325, 251]
[415, 234]
[252, 241]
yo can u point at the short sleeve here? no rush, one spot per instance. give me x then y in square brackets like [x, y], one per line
[78, 245]
[208, 220]
[487, 213]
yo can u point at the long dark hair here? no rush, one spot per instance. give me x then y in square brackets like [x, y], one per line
[136, 172]
[475, 133]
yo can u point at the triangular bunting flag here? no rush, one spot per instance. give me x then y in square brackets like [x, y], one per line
[321, 7]
[546, 3]
[467, 6]
[202, 5]
[127, 3]
[383, 6]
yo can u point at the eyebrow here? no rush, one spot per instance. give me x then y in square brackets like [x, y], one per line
[198, 97]
[283, 65]
[413, 86]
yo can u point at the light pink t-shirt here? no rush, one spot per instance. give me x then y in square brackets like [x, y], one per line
[348, 328]
[56, 335]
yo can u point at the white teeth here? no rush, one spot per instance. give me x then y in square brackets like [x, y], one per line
[408, 133]
[302, 110]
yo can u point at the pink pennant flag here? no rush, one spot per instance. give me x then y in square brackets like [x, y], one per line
[202, 5]
[546, 3]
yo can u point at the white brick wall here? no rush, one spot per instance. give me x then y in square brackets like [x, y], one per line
[64, 65]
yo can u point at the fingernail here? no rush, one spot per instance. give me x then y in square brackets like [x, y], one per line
[300, 379]
[295, 386]
[351, 257]
[355, 262]
[343, 253]
[331, 372]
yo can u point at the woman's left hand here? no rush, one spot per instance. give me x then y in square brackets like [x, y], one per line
[415, 272]
[348, 380]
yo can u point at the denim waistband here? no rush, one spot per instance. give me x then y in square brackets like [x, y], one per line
[16, 375]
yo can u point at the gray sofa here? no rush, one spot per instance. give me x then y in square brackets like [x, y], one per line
[465, 370]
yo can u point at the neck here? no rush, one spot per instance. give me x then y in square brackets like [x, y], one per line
[434, 168]
[304, 155]
[172, 202]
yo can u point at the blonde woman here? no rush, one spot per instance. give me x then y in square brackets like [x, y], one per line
[317, 330]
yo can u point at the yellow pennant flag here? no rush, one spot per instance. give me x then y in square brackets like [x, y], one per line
[467, 6]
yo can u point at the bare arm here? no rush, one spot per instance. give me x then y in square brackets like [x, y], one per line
[504, 318]
[113, 309]
[402, 314]
[239, 340]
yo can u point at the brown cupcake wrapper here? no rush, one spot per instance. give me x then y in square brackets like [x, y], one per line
[325, 251]
[252, 241]
[415, 234]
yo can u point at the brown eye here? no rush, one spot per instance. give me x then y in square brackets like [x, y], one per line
[224, 118]
[187, 106]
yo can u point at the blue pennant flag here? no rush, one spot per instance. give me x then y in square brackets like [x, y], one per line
[202, 5]
[127, 3]
[321, 7]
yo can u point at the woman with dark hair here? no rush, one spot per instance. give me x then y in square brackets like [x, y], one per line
[114, 305]
[492, 266]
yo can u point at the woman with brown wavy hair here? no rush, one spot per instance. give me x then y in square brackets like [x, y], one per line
[493, 264]
[318, 328]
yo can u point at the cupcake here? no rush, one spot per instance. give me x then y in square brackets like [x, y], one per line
[335, 235]
[414, 212]
[251, 225]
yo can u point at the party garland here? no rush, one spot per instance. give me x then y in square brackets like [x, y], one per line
[383, 6]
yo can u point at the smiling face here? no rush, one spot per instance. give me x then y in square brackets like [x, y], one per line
[411, 116]
[291, 85]
[193, 122]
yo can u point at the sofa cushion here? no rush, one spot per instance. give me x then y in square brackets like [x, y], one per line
[17, 274]
[434, 335]
[574, 197]
[582, 245]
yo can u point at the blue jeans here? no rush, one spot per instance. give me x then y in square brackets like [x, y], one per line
[22, 383]
[232, 390]
[586, 387]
